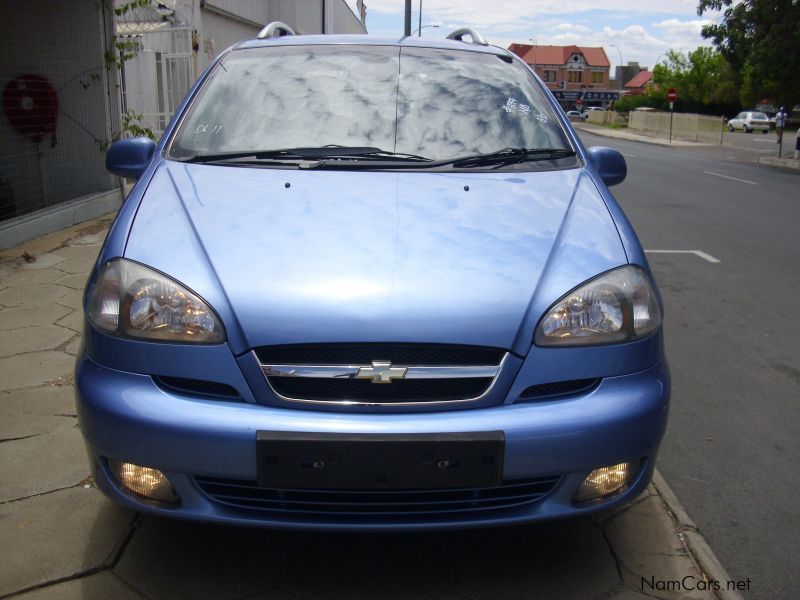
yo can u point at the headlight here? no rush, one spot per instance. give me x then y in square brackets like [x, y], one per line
[620, 306]
[130, 300]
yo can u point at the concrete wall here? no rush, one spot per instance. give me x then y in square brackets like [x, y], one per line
[696, 128]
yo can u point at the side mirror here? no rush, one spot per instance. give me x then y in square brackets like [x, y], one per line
[609, 164]
[129, 158]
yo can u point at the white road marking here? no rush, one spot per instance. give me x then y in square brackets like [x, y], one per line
[699, 253]
[628, 155]
[729, 177]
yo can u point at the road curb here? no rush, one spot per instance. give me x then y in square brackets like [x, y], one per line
[695, 541]
[781, 163]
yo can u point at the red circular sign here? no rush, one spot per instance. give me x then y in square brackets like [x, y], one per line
[578, 101]
[672, 95]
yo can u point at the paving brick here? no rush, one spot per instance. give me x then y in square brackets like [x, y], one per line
[102, 586]
[377, 566]
[76, 281]
[30, 315]
[74, 346]
[32, 293]
[173, 559]
[83, 264]
[73, 321]
[43, 261]
[534, 561]
[31, 339]
[648, 547]
[58, 535]
[73, 251]
[35, 368]
[35, 411]
[72, 298]
[20, 276]
[43, 463]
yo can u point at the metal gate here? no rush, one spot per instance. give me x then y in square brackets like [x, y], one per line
[157, 67]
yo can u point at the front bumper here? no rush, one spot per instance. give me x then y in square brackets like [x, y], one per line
[125, 416]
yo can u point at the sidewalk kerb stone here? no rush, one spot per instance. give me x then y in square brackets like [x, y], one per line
[694, 539]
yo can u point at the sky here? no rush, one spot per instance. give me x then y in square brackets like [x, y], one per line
[640, 30]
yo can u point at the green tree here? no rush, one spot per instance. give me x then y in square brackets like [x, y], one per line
[703, 78]
[760, 39]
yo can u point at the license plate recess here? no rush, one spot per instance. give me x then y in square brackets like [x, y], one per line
[298, 460]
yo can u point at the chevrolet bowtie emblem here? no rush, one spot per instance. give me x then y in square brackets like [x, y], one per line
[381, 372]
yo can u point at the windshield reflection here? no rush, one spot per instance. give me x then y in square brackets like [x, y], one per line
[434, 103]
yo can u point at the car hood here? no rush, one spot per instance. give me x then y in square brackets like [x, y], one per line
[299, 256]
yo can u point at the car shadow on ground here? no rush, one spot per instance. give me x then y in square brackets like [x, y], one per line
[166, 559]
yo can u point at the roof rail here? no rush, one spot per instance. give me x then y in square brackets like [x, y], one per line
[275, 29]
[459, 34]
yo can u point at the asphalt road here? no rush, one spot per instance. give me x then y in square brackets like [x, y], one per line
[745, 147]
[732, 330]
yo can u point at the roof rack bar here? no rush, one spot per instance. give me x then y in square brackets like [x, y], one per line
[459, 34]
[275, 29]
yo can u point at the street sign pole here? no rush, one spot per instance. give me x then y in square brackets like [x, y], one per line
[672, 95]
[671, 112]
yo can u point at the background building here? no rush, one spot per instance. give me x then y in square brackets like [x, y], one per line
[66, 96]
[623, 74]
[639, 83]
[576, 75]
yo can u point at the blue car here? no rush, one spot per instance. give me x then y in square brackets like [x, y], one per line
[370, 283]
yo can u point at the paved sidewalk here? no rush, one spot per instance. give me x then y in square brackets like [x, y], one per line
[60, 538]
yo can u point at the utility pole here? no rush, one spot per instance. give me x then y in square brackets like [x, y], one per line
[407, 30]
[420, 18]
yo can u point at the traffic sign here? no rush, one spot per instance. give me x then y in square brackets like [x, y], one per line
[672, 94]
[578, 101]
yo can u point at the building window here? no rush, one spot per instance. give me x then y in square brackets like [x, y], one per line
[575, 76]
[549, 75]
[597, 77]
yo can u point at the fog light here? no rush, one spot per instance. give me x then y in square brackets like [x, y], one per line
[606, 481]
[144, 481]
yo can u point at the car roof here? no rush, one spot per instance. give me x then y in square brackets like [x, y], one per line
[371, 40]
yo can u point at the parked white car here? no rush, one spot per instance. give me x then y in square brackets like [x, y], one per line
[749, 121]
[574, 115]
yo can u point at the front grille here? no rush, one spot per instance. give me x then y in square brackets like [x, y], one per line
[248, 495]
[357, 390]
[362, 354]
[434, 372]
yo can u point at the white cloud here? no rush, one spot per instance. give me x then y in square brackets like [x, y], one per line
[572, 27]
[643, 30]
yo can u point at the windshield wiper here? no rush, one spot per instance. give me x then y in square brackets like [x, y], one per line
[310, 153]
[510, 155]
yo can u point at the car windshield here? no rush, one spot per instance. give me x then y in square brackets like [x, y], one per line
[431, 103]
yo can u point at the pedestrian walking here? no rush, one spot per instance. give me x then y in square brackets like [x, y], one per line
[797, 145]
[780, 121]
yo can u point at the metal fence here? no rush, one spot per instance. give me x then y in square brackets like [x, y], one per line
[159, 68]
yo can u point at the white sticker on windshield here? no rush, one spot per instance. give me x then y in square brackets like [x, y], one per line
[510, 106]
[513, 106]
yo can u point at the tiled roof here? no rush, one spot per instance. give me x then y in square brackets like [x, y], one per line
[558, 55]
[641, 79]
